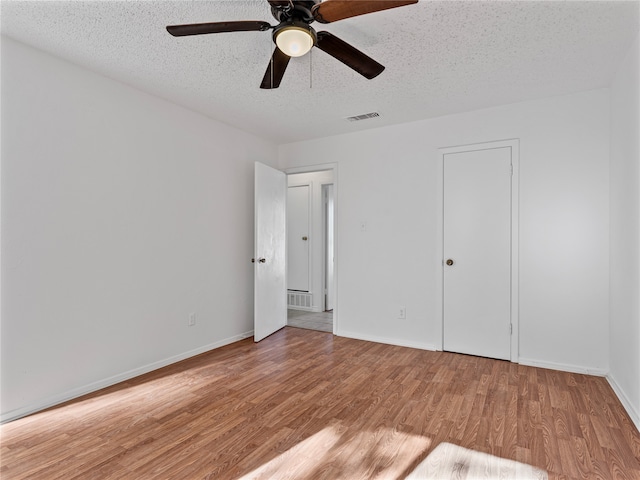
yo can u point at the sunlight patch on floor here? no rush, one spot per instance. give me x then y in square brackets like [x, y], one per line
[449, 462]
[385, 452]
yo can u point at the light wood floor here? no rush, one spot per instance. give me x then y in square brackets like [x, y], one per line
[305, 404]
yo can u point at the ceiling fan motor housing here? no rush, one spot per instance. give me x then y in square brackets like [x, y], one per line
[301, 11]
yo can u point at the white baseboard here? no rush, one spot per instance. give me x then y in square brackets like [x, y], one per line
[626, 403]
[387, 340]
[107, 382]
[598, 372]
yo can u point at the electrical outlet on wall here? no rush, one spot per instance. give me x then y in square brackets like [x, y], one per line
[192, 319]
[402, 313]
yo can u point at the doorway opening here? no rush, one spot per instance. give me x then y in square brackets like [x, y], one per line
[311, 207]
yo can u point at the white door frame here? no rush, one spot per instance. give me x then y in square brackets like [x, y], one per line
[334, 169]
[514, 144]
[327, 290]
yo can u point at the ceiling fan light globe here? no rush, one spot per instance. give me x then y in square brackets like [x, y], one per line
[294, 41]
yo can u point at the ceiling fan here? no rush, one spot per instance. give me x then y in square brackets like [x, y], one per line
[294, 35]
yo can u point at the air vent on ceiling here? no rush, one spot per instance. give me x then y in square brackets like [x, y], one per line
[364, 116]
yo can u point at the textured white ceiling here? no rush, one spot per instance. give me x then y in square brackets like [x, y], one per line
[441, 57]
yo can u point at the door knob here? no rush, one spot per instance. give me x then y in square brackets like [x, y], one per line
[253, 260]
[262, 260]
[449, 262]
[304, 238]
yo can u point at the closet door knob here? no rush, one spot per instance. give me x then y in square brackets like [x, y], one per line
[449, 262]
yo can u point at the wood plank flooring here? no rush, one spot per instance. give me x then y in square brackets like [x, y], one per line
[305, 404]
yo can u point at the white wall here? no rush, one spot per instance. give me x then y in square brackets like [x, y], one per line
[121, 215]
[625, 233]
[388, 181]
[315, 180]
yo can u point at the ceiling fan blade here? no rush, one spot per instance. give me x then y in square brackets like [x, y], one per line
[217, 27]
[333, 10]
[350, 56]
[275, 70]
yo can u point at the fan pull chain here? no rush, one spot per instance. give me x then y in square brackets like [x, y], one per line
[271, 69]
[310, 69]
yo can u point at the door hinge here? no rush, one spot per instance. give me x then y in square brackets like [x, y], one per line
[512, 169]
[511, 329]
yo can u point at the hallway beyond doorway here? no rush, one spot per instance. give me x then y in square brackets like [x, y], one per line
[322, 321]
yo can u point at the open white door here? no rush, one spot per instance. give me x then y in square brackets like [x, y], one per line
[270, 282]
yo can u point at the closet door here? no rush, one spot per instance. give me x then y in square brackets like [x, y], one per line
[298, 238]
[477, 252]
